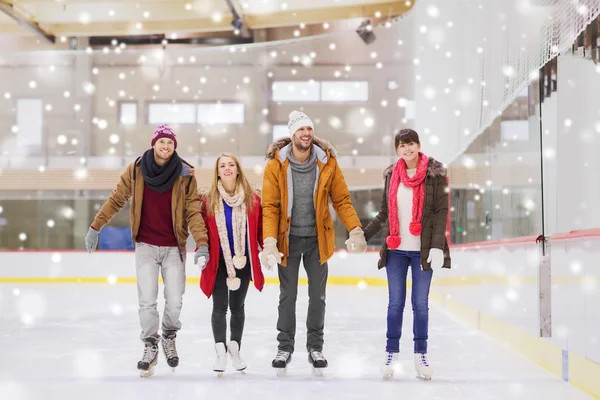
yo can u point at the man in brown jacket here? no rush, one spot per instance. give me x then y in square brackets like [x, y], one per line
[300, 177]
[164, 202]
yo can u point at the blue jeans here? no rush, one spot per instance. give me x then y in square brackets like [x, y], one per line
[397, 270]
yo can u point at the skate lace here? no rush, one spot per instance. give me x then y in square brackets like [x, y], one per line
[282, 355]
[170, 349]
[317, 356]
[390, 359]
[149, 353]
[423, 359]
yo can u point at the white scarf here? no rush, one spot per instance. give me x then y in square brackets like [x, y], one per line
[238, 220]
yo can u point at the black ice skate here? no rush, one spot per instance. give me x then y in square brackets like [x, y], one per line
[281, 361]
[168, 345]
[318, 362]
[149, 359]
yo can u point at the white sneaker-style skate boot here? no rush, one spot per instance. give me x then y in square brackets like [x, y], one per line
[388, 368]
[221, 361]
[234, 352]
[422, 366]
[149, 360]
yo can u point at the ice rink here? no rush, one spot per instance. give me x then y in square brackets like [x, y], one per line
[81, 342]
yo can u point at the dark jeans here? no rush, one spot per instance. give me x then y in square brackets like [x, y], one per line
[223, 297]
[397, 270]
[307, 250]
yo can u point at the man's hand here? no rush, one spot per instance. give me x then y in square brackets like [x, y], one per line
[91, 239]
[270, 256]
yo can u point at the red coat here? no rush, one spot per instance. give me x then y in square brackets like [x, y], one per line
[253, 235]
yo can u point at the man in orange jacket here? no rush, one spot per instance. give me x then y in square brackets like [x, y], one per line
[300, 177]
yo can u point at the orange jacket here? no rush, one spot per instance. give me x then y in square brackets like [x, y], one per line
[277, 208]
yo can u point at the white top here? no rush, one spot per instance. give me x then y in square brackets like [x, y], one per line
[405, 202]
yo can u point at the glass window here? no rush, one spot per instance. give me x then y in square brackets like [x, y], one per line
[280, 131]
[515, 130]
[128, 114]
[30, 119]
[335, 91]
[295, 91]
[221, 113]
[169, 113]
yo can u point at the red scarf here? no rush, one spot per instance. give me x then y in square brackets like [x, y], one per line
[417, 183]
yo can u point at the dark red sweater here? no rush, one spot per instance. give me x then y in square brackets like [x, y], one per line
[156, 222]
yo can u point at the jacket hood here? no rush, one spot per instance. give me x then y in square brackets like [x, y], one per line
[435, 168]
[323, 147]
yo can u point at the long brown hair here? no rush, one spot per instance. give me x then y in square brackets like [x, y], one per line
[214, 197]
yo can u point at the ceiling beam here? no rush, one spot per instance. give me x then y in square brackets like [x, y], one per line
[148, 27]
[157, 40]
[318, 15]
[85, 1]
[185, 21]
[33, 27]
[58, 13]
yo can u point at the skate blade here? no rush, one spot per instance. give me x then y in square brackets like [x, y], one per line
[281, 372]
[146, 374]
[424, 378]
[317, 372]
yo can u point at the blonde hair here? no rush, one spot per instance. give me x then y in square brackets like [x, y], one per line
[214, 197]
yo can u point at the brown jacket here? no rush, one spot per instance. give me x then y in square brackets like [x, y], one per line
[185, 204]
[435, 215]
[278, 189]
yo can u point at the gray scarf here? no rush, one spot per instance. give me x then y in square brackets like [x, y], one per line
[306, 166]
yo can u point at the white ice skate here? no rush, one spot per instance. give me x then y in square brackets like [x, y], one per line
[281, 361]
[424, 370]
[388, 368]
[221, 361]
[149, 360]
[236, 360]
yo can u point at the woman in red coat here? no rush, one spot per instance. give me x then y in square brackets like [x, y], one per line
[233, 217]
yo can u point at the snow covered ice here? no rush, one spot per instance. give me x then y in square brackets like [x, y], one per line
[81, 342]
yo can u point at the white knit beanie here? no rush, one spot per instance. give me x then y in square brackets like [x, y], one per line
[298, 120]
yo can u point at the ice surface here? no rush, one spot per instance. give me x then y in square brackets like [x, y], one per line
[82, 342]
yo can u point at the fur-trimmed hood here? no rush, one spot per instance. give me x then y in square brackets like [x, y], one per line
[283, 145]
[435, 168]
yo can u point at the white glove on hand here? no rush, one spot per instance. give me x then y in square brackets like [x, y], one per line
[356, 243]
[436, 258]
[91, 239]
[201, 257]
[270, 256]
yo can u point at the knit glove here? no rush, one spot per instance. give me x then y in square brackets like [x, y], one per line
[91, 239]
[201, 257]
[436, 258]
[356, 243]
[270, 255]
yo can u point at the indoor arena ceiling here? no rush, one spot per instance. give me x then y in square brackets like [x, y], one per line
[103, 18]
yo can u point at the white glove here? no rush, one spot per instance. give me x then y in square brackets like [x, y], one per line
[436, 258]
[201, 257]
[201, 263]
[356, 243]
[270, 256]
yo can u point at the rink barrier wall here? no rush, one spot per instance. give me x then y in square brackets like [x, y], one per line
[473, 264]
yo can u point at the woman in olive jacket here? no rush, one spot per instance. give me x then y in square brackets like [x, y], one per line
[415, 202]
